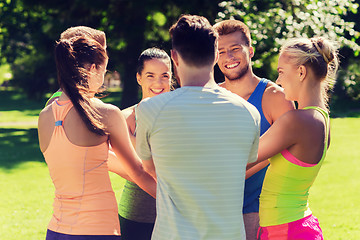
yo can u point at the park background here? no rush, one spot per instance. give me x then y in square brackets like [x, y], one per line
[29, 29]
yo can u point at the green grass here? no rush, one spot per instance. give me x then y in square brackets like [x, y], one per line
[335, 194]
[27, 193]
[25, 186]
[15, 107]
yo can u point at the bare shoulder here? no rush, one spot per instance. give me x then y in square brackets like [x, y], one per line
[103, 108]
[109, 112]
[312, 118]
[290, 117]
[300, 119]
[274, 102]
[274, 91]
[45, 127]
[291, 121]
[306, 125]
[45, 114]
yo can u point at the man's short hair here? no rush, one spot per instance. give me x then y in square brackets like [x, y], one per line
[194, 39]
[230, 26]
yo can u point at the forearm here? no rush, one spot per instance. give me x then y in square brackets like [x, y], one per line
[115, 166]
[134, 168]
[255, 167]
[146, 182]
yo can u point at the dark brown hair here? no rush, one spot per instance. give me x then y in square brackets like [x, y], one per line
[151, 53]
[73, 58]
[194, 39]
[83, 31]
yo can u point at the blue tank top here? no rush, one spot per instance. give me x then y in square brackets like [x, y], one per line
[254, 184]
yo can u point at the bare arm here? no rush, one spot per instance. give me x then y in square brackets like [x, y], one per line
[123, 148]
[115, 166]
[45, 128]
[129, 114]
[281, 135]
[253, 168]
[274, 106]
[150, 167]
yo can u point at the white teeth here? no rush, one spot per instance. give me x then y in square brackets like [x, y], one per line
[232, 65]
[157, 90]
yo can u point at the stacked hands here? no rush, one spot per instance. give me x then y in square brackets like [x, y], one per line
[244, 132]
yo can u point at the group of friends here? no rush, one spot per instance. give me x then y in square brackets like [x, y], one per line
[233, 160]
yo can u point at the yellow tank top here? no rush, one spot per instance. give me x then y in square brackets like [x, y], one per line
[284, 196]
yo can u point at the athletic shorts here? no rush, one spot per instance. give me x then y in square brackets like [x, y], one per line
[307, 228]
[51, 235]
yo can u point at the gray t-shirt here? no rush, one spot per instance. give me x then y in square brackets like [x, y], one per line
[200, 140]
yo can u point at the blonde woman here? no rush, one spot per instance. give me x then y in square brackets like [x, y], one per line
[297, 142]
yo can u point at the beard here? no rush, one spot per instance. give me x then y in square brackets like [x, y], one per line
[238, 75]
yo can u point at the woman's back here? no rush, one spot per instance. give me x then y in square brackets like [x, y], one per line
[310, 135]
[297, 142]
[284, 196]
[74, 137]
[77, 159]
[302, 132]
[74, 127]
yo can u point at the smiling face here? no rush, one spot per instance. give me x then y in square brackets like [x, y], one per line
[289, 77]
[155, 77]
[234, 55]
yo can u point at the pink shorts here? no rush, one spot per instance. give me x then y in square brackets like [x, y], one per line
[307, 228]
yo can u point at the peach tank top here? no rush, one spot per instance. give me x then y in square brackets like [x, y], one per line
[84, 203]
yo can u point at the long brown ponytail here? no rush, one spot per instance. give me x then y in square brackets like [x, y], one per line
[73, 57]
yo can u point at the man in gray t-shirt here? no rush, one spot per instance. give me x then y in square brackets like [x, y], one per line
[198, 139]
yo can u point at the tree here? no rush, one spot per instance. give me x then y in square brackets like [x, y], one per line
[29, 29]
[20, 46]
[146, 26]
[271, 22]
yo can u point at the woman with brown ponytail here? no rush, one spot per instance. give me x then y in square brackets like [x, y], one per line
[297, 142]
[74, 135]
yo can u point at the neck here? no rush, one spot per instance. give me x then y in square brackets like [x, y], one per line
[243, 86]
[89, 94]
[65, 97]
[315, 101]
[311, 95]
[194, 76]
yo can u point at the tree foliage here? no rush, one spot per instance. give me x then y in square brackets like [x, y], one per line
[272, 22]
[22, 48]
[29, 29]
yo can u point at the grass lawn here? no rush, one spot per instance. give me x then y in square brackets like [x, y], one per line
[335, 194]
[15, 107]
[25, 186]
[27, 193]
